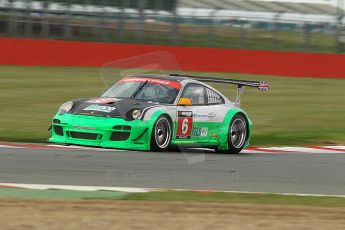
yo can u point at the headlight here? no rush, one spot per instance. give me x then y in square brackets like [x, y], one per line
[136, 113]
[65, 107]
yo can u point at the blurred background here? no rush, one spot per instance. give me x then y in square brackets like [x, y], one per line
[303, 107]
[292, 25]
[53, 51]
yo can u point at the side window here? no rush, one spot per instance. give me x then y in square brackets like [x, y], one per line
[197, 93]
[213, 97]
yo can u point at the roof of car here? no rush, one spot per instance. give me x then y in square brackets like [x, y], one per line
[162, 77]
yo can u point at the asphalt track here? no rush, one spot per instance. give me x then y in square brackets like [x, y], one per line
[309, 173]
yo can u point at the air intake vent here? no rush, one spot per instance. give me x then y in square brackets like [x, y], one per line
[56, 121]
[58, 130]
[80, 135]
[119, 136]
[122, 127]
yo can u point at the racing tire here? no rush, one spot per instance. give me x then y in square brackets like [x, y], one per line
[237, 134]
[161, 134]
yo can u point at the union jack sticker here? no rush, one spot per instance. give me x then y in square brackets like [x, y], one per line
[264, 85]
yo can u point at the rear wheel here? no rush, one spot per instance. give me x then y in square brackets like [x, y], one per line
[237, 134]
[161, 134]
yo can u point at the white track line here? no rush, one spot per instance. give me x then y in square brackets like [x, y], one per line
[250, 151]
[73, 187]
[273, 193]
[13, 147]
[301, 149]
[142, 190]
[293, 150]
[336, 147]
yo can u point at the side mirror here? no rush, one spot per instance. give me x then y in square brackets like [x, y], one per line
[184, 101]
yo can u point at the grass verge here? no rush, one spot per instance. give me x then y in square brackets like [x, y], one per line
[223, 197]
[219, 197]
[296, 111]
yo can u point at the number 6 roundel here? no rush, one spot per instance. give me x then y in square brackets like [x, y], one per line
[184, 124]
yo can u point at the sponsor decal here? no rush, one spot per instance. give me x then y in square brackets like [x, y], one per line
[201, 116]
[138, 143]
[184, 124]
[173, 84]
[100, 108]
[101, 100]
[200, 132]
[83, 127]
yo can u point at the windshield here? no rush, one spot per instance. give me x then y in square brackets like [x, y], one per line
[148, 89]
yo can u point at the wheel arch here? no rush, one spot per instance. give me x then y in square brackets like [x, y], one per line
[223, 139]
[153, 119]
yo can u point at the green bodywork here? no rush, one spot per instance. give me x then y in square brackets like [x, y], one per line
[140, 132]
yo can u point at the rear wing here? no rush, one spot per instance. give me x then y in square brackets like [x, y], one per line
[240, 83]
[261, 85]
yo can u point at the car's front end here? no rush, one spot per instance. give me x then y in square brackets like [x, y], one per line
[100, 131]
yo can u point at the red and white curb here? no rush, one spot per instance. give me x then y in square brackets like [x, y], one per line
[308, 149]
[140, 190]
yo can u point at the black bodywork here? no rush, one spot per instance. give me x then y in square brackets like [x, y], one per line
[123, 107]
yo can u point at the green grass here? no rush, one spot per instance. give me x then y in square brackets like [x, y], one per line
[252, 198]
[220, 197]
[296, 111]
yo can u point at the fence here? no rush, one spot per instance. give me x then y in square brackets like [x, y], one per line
[111, 21]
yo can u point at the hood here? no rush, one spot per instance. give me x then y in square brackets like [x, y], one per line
[109, 107]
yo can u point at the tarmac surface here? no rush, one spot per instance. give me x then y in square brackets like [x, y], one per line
[303, 173]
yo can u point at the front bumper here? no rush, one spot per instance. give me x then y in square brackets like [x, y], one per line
[101, 132]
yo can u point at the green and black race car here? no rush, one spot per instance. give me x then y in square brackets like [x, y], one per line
[155, 112]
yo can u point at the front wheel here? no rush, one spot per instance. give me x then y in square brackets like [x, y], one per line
[161, 134]
[237, 134]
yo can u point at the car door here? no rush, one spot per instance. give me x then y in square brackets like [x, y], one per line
[196, 123]
[216, 111]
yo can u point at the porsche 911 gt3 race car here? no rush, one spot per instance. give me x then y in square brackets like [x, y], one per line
[155, 112]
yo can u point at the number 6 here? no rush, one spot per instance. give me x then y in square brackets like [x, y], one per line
[185, 126]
